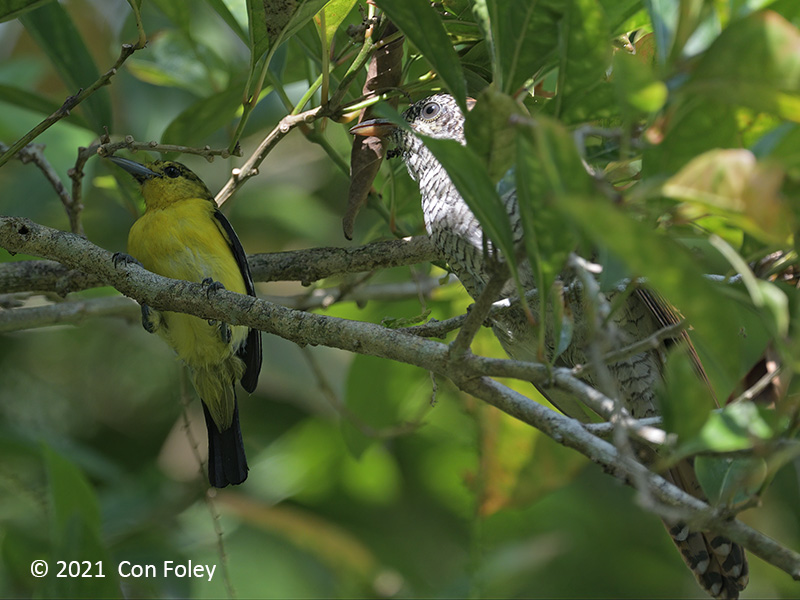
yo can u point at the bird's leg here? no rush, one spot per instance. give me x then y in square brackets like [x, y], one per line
[127, 259]
[224, 330]
[151, 319]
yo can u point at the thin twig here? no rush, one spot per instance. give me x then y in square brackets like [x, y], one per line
[35, 153]
[250, 168]
[69, 104]
[478, 313]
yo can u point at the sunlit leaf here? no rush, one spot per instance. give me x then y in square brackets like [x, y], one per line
[638, 91]
[584, 58]
[755, 62]
[420, 23]
[548, 169]
[733, 183]
[335, 13]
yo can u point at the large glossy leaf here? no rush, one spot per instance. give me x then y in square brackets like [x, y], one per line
[421, 24]
[755, 62]
[54, 31]
[694, 126]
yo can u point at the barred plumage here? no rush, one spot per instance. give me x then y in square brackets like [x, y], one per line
[719, 566]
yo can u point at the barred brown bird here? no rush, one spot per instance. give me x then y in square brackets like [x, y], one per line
[719, 566]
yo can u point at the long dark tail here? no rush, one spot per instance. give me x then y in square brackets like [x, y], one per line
[227, 463]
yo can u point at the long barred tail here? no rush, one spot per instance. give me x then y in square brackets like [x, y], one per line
[227, 463]
[719, 565]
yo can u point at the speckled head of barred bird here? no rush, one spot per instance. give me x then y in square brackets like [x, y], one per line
[719, 565]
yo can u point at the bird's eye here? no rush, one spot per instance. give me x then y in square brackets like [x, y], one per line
[172, 172]
[430, 110]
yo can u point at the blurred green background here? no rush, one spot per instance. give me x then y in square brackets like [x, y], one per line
[360, 485]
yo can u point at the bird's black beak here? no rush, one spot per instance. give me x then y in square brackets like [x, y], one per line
[139, 171]
[381, 128]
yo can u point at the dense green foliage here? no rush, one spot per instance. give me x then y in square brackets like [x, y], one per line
[360, 485]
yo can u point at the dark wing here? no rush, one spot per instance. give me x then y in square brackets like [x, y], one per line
[666, 315]
[250, 352]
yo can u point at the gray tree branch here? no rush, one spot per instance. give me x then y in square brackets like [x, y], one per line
[22, 235]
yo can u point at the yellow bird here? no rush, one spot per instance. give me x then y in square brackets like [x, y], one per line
[182, 235]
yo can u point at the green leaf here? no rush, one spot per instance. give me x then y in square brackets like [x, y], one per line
[382, 394]
[684, 398]
[71, 495]
[206, 116]
[676, 274]
[664, 17]
[13, 9]
[54, 31]
[335, 13]
[76, 530]
[522, 36]
[694, 125]
[548, 169]
[728, 481]
[489, 131]
[421, 24]
[174, 60]
[257, 29]
[221, 8]
[584, 57]
[734, 184]
[638, 91]
[740, 426]
[179, 12]
[36, 103]
[755, 62]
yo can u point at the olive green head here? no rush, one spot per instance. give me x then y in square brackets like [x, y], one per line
[164, 181]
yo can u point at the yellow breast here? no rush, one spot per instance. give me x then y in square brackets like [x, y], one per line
[183, 241]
